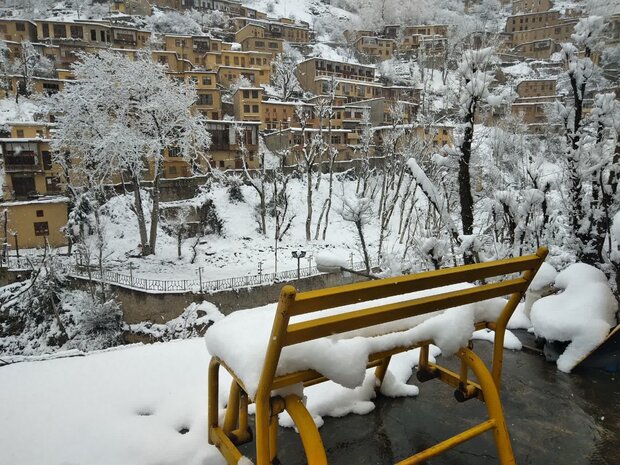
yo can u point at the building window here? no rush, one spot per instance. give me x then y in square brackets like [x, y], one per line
[41, 229]
[254, 94]
[273, 45]
[77, 32]
[259, 44]
[46, 30]
[205, 99]
[246, 108]
[246, 94]
[47, 160]
[60, 30]
[39, 213]
[20, 133]
[172, 170]
[254, 108]
[93, 35]
[206, 80]
[20, 27]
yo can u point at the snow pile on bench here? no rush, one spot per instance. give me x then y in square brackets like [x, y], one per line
[583, 313]
[241, 338]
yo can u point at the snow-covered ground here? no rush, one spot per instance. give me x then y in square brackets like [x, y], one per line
[145, 404]
[135, 405]
[241, 248]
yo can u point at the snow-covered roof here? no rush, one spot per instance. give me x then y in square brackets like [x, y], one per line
[229, 121]
[348, 81]
[40, 200]
[370, 67]
[24, 139]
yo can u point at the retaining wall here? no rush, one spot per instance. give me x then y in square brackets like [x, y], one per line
[139, 306]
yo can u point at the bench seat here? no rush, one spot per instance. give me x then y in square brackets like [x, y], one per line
[240, 340]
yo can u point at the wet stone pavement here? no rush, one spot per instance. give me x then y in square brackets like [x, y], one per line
[553, 418]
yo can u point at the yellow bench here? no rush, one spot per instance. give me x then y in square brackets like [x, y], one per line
[498, 279]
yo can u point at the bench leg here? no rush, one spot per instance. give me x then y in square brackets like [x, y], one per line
[212, 404]
[493, 403]
[308, 432]
[381, 370]
[273, 438]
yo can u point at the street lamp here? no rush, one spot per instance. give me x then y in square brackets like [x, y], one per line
[298, 254]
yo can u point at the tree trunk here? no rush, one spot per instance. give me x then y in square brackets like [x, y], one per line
[360, 231]
[155, 211]
[309, 201]
[263, 208]
[139, 209]
[464, 178]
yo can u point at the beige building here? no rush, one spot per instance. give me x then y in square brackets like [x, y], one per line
[34, 223]
[536, 88]
[309, 70]
[18, 30]
[375, 48]
[132, 7]
[531, 6]
[224, 152]
[28, 169]
[209, 101]
[539, 50]
[528, 21]
[283, 28]
[227, 75]
[559, 33]
[93, 33]
[193, 48]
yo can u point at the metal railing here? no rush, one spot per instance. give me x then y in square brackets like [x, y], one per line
[198, 285]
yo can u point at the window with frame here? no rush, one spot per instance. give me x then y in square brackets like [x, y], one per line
[47, 160]
[206, 80]
[205, 99]
[46, 30]
[77, 32]
[273, 45]
[20, 27]
[39, 213]
[254, 94]
[60, 30]
[254, 108]
[41, 228]
[246, 108]
[93, 35]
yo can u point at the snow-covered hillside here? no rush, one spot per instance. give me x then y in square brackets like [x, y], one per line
[303, 10]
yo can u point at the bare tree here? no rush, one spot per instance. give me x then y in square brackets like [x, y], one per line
[358, 210]
[310, 150]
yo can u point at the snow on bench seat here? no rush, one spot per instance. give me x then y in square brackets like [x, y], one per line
[241, 339]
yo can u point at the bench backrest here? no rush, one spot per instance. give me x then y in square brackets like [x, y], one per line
[292, 304]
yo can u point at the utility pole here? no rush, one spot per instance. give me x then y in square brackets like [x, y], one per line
[200, 268]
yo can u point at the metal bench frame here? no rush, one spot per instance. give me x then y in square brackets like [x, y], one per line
[235, 430]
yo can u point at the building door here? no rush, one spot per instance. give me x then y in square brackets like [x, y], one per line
[23, 185]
